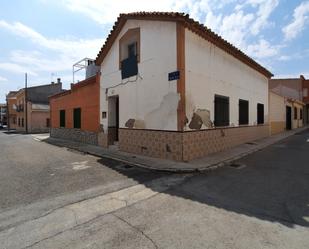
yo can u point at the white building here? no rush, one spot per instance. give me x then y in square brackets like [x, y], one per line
[171, 88]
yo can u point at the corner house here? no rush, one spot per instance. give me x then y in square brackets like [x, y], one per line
[171, 88]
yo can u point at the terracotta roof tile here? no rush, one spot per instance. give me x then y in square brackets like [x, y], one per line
[189, 23]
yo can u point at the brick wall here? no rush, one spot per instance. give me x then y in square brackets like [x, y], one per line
[84, 95]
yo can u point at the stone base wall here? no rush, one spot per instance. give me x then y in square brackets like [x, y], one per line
[112, 135]
[161, 144]
[103, 139]
[201, 143]
[75, 135]
[277, 127]
[186, 146]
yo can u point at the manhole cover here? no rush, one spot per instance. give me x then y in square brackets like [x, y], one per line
[237, 165]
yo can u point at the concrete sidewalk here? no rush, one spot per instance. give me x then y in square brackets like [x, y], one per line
[209, 162]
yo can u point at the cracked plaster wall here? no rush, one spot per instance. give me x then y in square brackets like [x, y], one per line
[149, 100]
[210, 71]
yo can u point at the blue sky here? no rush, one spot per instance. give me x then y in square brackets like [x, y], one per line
[45, 37]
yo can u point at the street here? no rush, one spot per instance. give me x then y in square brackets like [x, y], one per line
[52, 197]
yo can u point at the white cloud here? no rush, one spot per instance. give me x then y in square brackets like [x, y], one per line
[105, 11]
[265, 8]
[300, 19]
[58, 54]
[16, 68]
[263, 49]
[234, 27]
[39, 62]
[74, 48]
[3, 79]
[241, 24]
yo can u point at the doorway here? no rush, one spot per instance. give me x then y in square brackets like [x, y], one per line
[288, 118]
[113, 120]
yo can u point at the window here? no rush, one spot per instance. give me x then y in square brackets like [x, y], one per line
[14, 120]
[243, 112]
[77, 118]
[260, 113]
[22, 122]
[295, 112]
[222, 112]
[301, 113]
[132, 49]
[18, 121]
[47, 122]
[62, 118]
[129, 53]
[305, 92]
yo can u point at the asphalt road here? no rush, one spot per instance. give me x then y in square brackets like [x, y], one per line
[260, 202]
[32, 170]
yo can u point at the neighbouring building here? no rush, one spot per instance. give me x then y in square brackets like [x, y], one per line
[306, 99]
[3, 114]
[171, 88]
[291, 92]
[32, 107]
[11, 110]
[75, 112]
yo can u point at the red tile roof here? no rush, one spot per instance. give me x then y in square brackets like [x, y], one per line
[189, 23]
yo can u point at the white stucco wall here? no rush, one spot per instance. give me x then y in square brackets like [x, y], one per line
[149, 98]
[277, 108]
[210, 71]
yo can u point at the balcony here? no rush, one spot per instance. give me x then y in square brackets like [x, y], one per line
[129, 67]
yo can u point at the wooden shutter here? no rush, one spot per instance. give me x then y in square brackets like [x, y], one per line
[222, 111]
[77, 118]
[62, 118]
[243, 112]
[260, 113]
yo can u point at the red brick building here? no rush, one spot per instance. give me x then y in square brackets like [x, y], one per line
[306, 98]
[75, 113]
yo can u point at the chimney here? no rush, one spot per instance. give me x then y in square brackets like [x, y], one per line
[58, 80]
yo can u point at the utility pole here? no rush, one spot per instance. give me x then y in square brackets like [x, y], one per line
[8, 114]
[26, 103]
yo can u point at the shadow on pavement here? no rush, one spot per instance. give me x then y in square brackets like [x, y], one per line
[271, 185]
[14, 133]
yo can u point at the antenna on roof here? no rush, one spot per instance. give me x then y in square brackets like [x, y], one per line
[52, 77]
